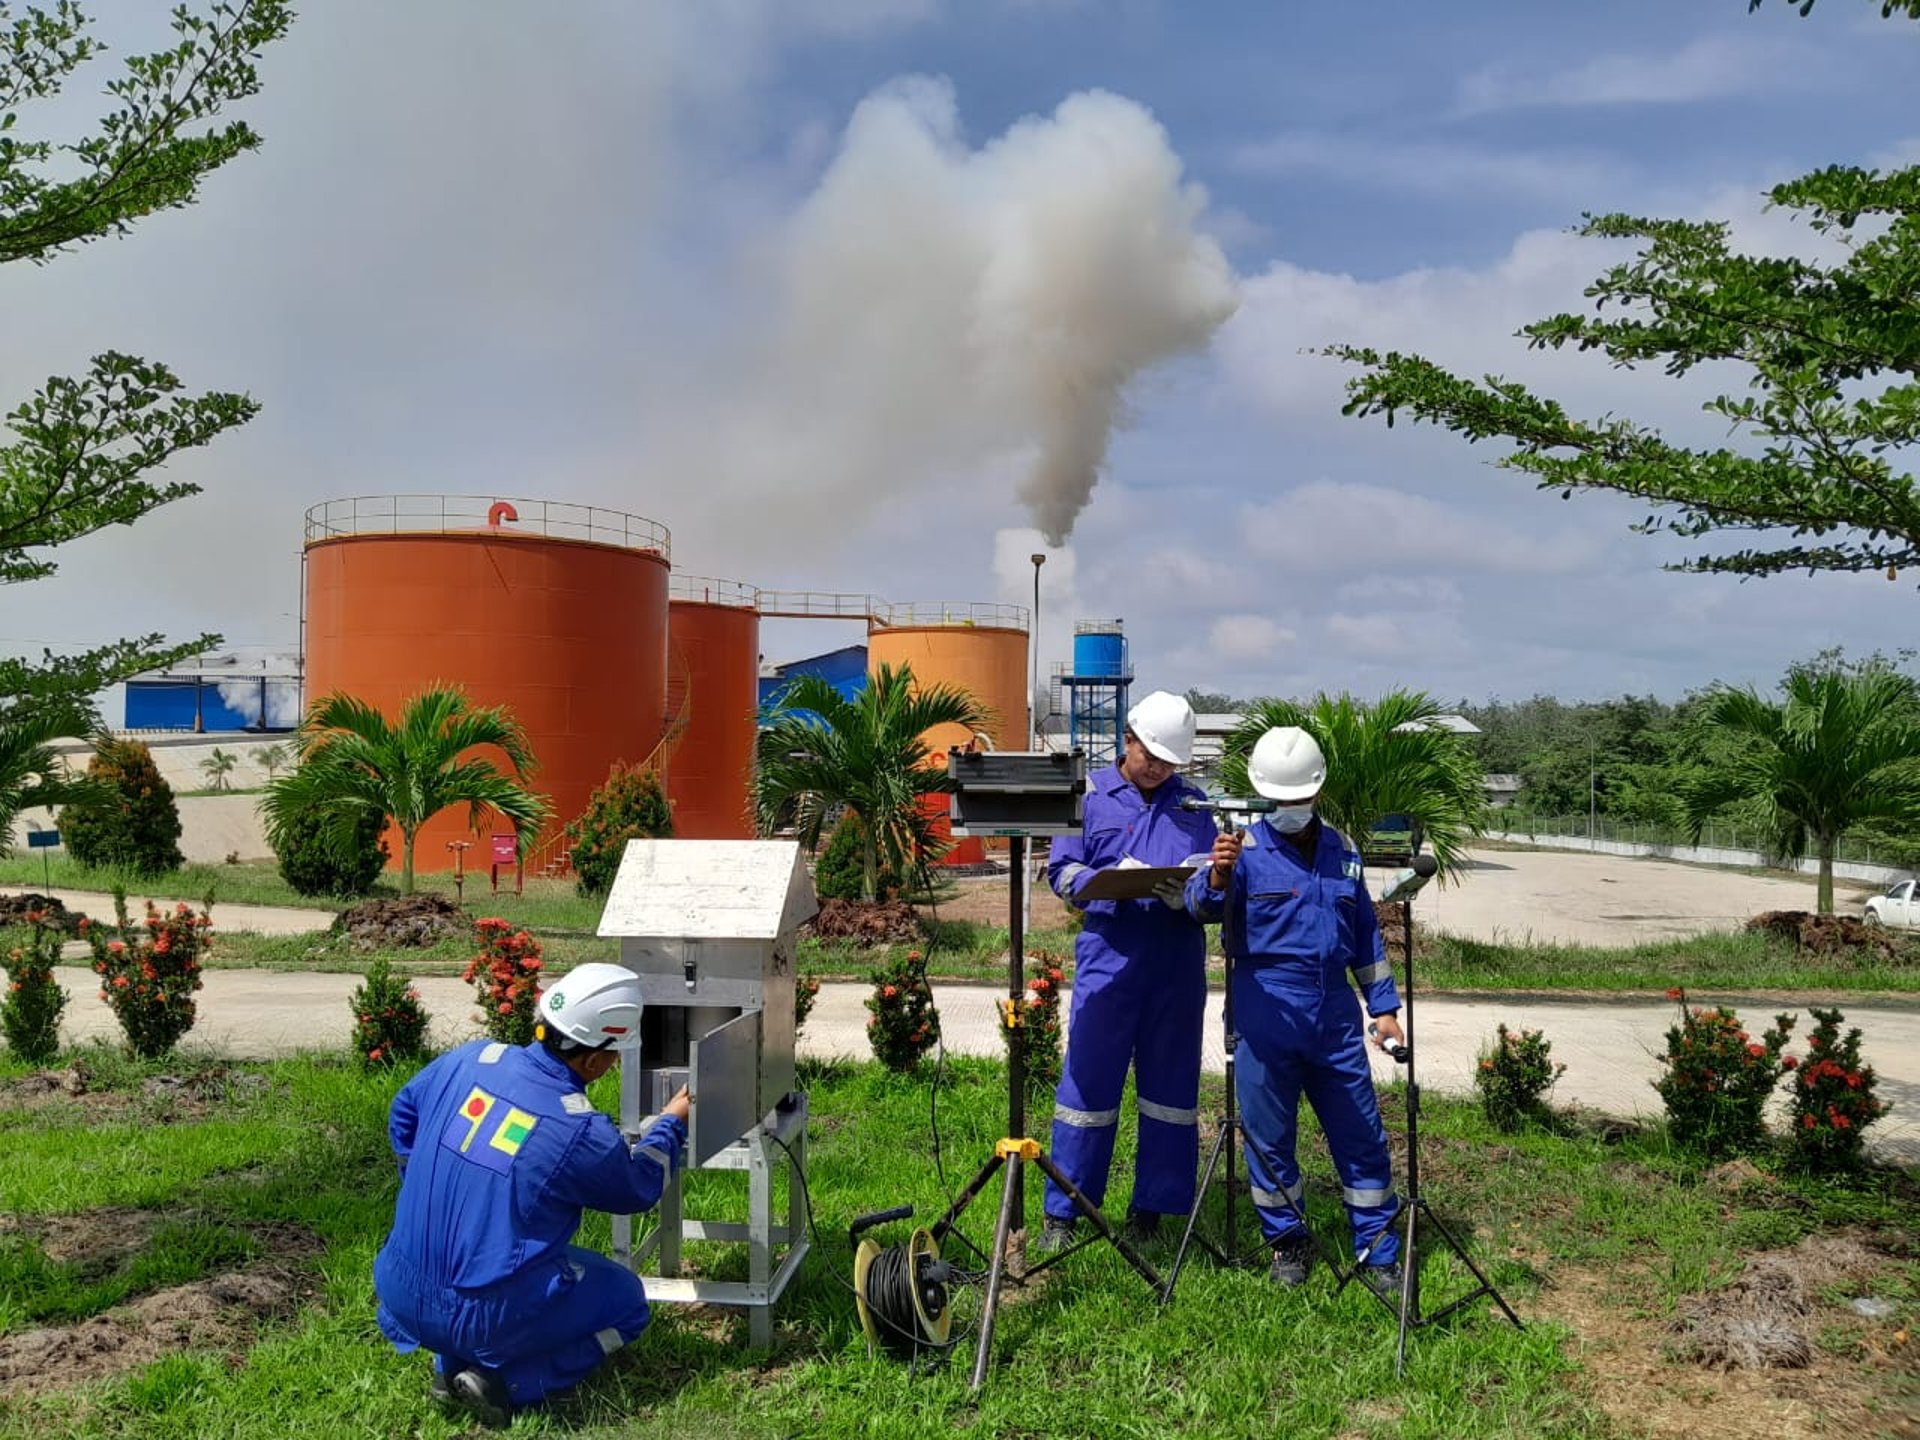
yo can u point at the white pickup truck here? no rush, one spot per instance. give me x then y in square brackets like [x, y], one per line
[1897, 909]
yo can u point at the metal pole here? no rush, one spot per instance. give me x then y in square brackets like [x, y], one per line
[1017, 1034]
[1590, 799]
[1022, 875]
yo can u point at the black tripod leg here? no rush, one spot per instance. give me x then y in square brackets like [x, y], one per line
[945, 1223]
[1087, 1208]
[1409, 1287]
[997, 1266]
[1486, 1285]
[1193, 1216]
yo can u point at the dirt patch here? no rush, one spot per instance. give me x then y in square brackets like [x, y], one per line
[221, 1313]
[1631, 1370]
[867, 923]
[192, 1095]
[1765, 1319]
[984, 902]
[1835, 936]
[407, 922]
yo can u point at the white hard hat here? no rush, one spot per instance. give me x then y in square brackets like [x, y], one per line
[1163, 722]
[595, 1005]
[1287, 765]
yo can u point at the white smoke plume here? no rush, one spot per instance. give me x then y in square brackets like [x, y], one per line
[943, 312]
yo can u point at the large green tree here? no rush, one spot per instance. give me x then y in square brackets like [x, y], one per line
[84, 448]
[1840, 750]
[1825, 416]
[353, 760]
[1390, 757]
[821, 752]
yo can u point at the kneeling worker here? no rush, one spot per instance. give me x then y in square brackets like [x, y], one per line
[500, 1150]
[1298, 922]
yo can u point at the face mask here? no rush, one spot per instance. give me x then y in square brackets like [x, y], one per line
[1290, 819]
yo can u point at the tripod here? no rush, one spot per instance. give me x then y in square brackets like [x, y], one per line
[1017, 1150]
[1230, 1131]
[1414, 1205]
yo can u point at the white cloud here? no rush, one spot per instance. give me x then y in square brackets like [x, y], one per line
[1437, 167]
[1711, 67]
[1329, 527]
[1243, 638]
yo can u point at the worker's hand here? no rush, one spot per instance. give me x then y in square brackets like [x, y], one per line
[1226, 850]
[680, 1106]
[1172, 894]
[1386, 1029]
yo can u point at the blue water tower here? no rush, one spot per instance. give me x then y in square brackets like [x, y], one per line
[1097, 690]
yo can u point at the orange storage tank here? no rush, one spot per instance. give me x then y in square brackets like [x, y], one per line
[558, 612]
[980, 648]
[713, 701]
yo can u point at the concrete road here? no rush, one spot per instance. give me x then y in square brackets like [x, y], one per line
[1608, 1045]
[257, 919]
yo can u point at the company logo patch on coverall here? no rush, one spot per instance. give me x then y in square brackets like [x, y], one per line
[464, 1125]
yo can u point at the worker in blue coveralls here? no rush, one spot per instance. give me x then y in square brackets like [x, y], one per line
[1139, 982]
[1297, 919]
[500, 1150]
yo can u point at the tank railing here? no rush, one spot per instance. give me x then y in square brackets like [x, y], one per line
[1098, 627]
[818, 605]
[505, 514]
[705, 590]
[956, 612]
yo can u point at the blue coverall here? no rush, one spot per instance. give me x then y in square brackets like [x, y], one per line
[1139, 997]
[500, 1150]
[1297, 929]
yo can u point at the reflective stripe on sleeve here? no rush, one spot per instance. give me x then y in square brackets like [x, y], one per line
[1369, 1198]
[609, 1339]
[1373, 974]
[1068, 874]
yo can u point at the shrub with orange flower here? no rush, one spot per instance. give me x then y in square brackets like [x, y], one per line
[1718, 1077]
[1040, 1018]
[150, 971]
[905, 1023]
[30, 1012]
[1514, 1076]
[1833, 1099]
[389, 1022]
[506, 979]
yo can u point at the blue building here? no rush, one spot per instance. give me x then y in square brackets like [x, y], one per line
[845, 669]
[216, 693]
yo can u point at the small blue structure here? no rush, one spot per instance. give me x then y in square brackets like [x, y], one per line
[216, 694]
[1097, 687]
[845, 669]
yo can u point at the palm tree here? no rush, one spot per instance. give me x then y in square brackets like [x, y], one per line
[217, 767]
[31, 775]
[353, 760]
[1388, 758]
[820, 751]
[1842, 749]
[270, 758]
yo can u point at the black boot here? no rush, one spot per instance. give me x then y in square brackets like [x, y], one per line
[1055, 1236]
[1292, 1259]
[1143, 1227]
[483, 1395]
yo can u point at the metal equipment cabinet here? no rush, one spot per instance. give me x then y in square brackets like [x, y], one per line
[711, 928]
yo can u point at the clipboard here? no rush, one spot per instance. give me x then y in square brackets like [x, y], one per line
[1132, 882]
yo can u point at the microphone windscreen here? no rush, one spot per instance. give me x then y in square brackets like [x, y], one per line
[1425, 865]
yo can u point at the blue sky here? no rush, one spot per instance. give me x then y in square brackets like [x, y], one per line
[734, 266]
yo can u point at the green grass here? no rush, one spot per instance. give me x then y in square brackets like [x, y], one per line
[1087, 1354]
[1737, 960]
[545, 904]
